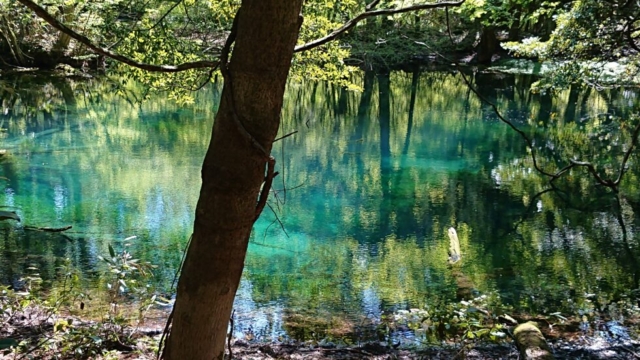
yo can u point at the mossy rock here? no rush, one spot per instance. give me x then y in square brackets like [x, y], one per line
[531, 342]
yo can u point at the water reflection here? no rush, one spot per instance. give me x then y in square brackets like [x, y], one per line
[366, 192]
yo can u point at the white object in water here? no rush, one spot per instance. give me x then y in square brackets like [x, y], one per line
[454, 246]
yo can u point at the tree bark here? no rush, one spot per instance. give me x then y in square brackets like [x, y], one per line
[232, 173]
[12, 42]
[62, 43]
[488, 45]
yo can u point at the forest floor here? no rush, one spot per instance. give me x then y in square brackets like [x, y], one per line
[142, 345]
[587, 349]
[45, 335]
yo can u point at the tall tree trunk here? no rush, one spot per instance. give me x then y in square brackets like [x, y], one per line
[343, 102]
[514, 28]
[384, 117]
[62, 43]
[488, 45]
[570, 113]
[365, 101]
[415, 77]
[232, 173]
[12, 42]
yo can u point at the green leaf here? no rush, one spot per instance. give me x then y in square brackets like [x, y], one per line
[111, 252]
[96, 339]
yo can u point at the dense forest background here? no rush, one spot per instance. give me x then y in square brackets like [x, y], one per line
[477, 32]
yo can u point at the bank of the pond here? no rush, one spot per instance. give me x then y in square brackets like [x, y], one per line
[566, 350]
[85, 341]
[39, 329]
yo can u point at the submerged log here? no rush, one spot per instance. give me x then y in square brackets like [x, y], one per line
[9, 215]
[465, 287]
[455, 254]
[531, 342]
[48, 229]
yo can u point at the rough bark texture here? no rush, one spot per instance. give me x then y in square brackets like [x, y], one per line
[232, 173]
[64, 40]
[488, 45]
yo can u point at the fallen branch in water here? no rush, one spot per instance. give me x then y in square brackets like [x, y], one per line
[9, 215]
[47, 229]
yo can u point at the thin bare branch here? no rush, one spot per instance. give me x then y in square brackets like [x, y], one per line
[44, 15]
[277, 218]
[532, 203]
[230, 335]
[494, 107]
[132, 28]
[165, 15]
[613, 185]
[367, 14]
[634, 142]
[286, 136]
[266, 187]
[284, 167]
[372, 5]
[290, 188]
[592, 169]
[167, 327]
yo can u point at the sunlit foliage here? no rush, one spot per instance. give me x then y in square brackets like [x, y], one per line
[588, 36]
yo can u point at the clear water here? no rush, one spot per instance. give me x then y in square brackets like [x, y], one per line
[367, 190]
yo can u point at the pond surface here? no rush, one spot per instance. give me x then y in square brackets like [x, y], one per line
[367, 190]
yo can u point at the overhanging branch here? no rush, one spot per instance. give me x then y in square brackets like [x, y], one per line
[44, 15]
[371, 13]
[612, 184]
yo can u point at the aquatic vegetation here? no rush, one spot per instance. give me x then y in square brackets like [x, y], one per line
[69, 321]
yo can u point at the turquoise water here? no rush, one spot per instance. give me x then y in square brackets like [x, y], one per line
[367, 190]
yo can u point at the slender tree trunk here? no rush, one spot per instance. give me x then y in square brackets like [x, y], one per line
[514, 29]
[365, 101]
[12, 42]
[415, 77]
[343, 102]
[384, 98]
[384, 117]
[570, 113]
[232, 173]
[62, 43]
